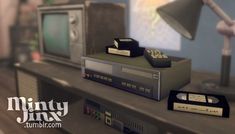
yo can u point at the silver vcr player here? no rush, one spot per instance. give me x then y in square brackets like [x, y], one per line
[136, 75]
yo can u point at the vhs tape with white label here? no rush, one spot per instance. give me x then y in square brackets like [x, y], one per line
[134, 52]
[209, 104]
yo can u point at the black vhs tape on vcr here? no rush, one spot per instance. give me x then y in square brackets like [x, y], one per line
[136, 75]
[125, 43]
[209, 104]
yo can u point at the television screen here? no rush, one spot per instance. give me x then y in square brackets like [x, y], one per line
[55, 29]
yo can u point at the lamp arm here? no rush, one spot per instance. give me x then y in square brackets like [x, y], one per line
[225, 27]
[220, 12]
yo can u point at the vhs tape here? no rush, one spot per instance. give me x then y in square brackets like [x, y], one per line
[125, 43]
[136, 75]
[133, 52]
[208, 104]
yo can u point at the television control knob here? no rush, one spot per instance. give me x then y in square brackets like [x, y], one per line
[74, 35]
[73, 19]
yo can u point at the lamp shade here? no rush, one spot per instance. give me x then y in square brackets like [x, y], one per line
[182, 15]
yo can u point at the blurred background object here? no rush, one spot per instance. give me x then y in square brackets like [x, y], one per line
[8, 10]
[18, 29]
[23, 35]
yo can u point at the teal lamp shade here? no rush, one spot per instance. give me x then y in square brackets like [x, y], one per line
[183, 16]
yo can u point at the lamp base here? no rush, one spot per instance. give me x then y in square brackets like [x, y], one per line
[213, 87]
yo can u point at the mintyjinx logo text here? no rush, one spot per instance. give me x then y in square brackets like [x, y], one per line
[40, 114]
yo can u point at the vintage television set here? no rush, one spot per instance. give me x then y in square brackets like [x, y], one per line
[68, 32]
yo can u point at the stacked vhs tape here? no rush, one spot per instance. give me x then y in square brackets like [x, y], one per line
[125, 47]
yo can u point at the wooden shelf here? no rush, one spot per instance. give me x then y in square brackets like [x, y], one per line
[143, 108]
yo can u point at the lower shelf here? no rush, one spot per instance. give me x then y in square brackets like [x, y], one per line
[78, 123]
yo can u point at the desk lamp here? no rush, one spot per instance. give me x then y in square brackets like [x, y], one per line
[183, 16]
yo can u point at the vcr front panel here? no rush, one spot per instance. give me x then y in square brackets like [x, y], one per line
[124, 84]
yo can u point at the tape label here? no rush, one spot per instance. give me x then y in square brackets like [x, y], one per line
[198, 109]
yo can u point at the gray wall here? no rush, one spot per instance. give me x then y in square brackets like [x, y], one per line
[205, 50]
